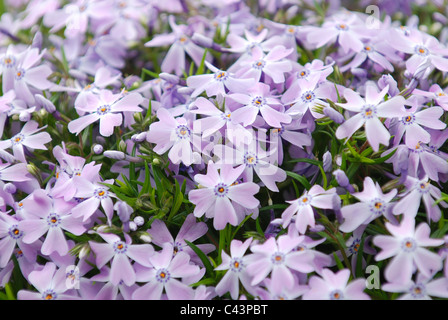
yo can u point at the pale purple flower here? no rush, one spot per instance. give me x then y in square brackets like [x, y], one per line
[369, 110]
[30, 77]
[51, 217]
[29, 137]
[106, 107]
[76, 16]
[71, 167]
[181, 44]
[424, 49]
[424, 288]
[273, 292]
[163, 276]
[269, 68]
[109, 290]
[300, 211]
[436, 93]
[335, 286]
[218, 191]
[190, 230]
[305, 94]
[407, 245]
[418, 190]
[175, 135]
[11, 237]
[92, 196]
[426, 161]
[236, 263]
[50, 283]
[346, 28]
[258, 100]
[217, 82]
[215, 120]
[373, 204]
[410, 125]
[278, 258]
[253, 158]
[120, 253]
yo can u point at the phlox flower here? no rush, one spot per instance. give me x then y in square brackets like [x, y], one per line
[175, 135]
[273, 292]
[407, 245]
[236, 265]
[29, 137]
[418, 190]
[181, 44]
[190, 230]
[51, 217]
[373, 204]
[121, 253]
[423, 49]
[167, 273]
[253, 158]
[278, 258]
[30, 77]
[214, 120]
[268, 68]
[217, 82]
[335, 286]
[50, 283]
[300, 210]
[346, 29]
[218, 191]
[92, 195]
[435, 93]
[258, 100]
[305, 94]
[71, 167]
[11, 238]
[106, 107]
[423, 288]
[410, 125]
[369, 110]
[107, 289]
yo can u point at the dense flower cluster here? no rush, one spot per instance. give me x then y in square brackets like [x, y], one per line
[197, 149]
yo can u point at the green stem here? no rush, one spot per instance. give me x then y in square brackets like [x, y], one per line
[9, 292]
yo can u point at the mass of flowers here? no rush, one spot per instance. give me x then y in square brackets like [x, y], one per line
[223, 150]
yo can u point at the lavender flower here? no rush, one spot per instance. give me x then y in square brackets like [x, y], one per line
[217, 193]
[407, 247]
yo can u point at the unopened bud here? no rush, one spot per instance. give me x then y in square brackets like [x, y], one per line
[139, 221]
[342, 180]
[45, 103]
[33, 170]
[112, 154]
[139, 137]
[84, 252]
[171, 78]
[98, 149]
[132, 226]
[334, 115]
[9, 188]
[138, 117]
[24, 116]
[122, 146]
[327, 160]
[145, 237]
[156, 162]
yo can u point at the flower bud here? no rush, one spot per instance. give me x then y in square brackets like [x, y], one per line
[334, 115]
[327, 160]
[45, 103]
[24, 116]
[132, 226]
[145, 237]
[9, 188]
[139, 221]
[112, 154]
[139, 137]
[124, 211]
[342, 180]
[171, 78]
[98, 149]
